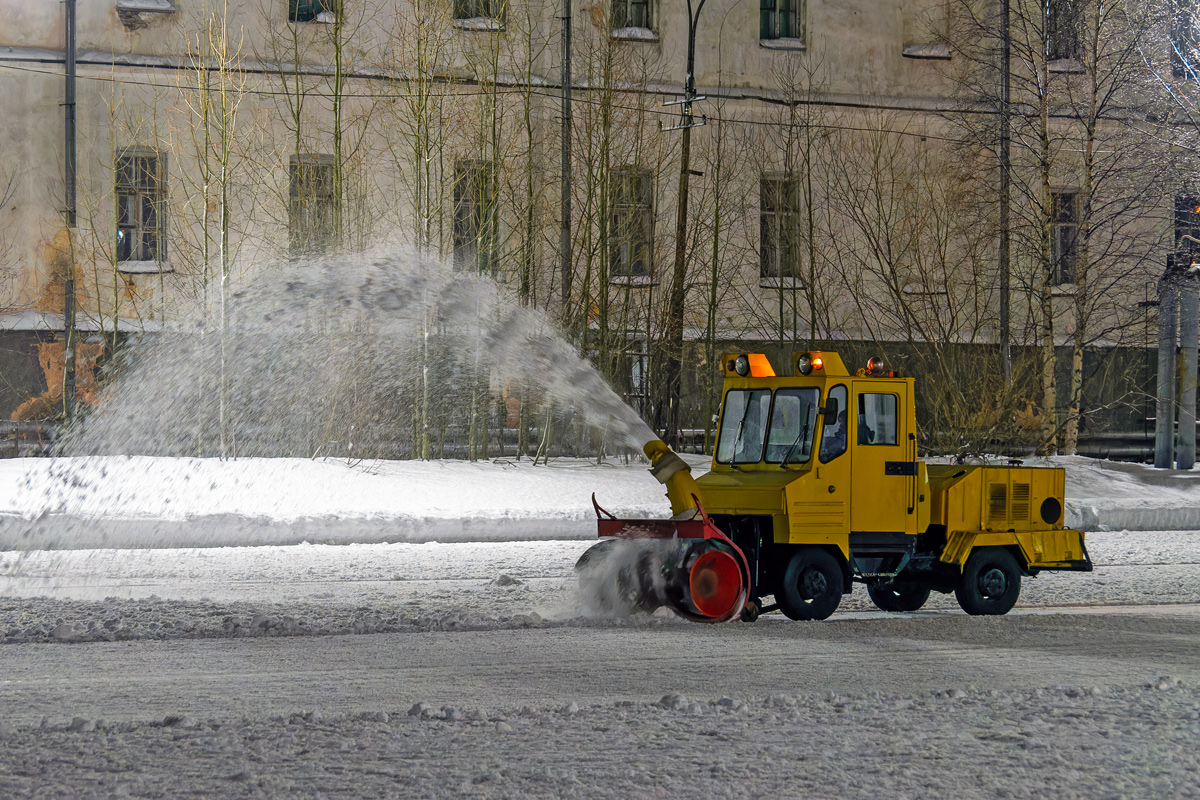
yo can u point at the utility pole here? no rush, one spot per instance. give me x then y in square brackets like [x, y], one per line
[1164, 408]
[69, 169]
[675, 299]
[564, 241]
[1005, 197]
[1178, 315]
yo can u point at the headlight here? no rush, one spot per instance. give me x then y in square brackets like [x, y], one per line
[807, 362]
[741, 365]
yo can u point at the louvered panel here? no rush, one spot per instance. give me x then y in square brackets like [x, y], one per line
[998, 503]
[1020, 502]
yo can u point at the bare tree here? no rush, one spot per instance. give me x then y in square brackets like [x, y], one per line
[1082, 198]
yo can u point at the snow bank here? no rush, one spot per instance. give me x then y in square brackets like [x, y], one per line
[1115, 495]
[140, 501]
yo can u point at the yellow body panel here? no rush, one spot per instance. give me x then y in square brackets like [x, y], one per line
[1055, 549]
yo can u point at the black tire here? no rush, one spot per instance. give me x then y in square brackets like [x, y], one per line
[898, 595]
[991, 582]
[812, 585]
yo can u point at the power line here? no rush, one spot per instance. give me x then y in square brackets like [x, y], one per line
[522, 89]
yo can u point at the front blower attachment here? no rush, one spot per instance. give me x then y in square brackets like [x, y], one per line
[685, 563]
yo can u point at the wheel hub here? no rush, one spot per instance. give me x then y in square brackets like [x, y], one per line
[992, 582]
[813, 584]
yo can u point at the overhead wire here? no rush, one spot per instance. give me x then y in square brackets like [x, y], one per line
[511, 89]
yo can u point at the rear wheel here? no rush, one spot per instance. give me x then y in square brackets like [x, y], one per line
[991, 582]
[812, 585]
[898, 595]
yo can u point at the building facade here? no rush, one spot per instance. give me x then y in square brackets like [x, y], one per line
[843, 177]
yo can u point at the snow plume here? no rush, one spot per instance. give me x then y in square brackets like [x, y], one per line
[351, 357]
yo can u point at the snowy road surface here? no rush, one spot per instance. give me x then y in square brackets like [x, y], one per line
[429, 653]
[1024, 706]
[234, 672]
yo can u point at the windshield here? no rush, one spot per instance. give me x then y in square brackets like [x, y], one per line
[793, 421]
[743, 426]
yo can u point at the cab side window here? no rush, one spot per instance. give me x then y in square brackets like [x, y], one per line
[876, 419]
[833, 437]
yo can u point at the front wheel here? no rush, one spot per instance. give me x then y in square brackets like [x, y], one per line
[991, 582]
[898, 595]
[812, 585]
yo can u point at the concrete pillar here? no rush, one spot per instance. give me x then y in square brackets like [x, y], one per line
[1189, 337]
[1164, 410]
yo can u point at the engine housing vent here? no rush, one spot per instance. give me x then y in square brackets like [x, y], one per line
[1020, 502]
[997, 503]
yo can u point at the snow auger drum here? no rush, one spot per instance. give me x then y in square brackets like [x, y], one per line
[687, 565]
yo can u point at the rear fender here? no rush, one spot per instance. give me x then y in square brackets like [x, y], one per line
[960, 545]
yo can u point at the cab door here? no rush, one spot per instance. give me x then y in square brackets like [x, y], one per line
[883, 469]
[818, 504]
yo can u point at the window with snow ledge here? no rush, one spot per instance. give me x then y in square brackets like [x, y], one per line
[312, 11]
[935, 50]
[781, 24]
[146, 6]
[479, 15]
[143, 267]
[633, 280]
[782, 44]
[130, 11]
[140, 186]
[633, 20]
[1066, 65]
[635, 34]
[926, 29]
[786, 282]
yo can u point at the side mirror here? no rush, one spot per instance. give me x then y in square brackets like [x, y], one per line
[831, 411]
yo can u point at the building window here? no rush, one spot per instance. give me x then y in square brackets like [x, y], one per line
[778, 238]
[1065, 252]
[927, 29]
[632, 223]
[1064, 30]
[632, 14]
[1185, 41]
[312, 204]
[141, 194]
[479, 9]
[474, 207]
[636, 362]
[312, 10]
[780, 19]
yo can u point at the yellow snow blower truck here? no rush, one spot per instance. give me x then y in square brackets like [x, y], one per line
[815, 485]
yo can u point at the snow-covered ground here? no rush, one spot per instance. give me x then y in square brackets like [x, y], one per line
[137, 501]
[157, 624]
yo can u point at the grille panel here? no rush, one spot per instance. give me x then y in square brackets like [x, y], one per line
[998, 503]
[1020, 502]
